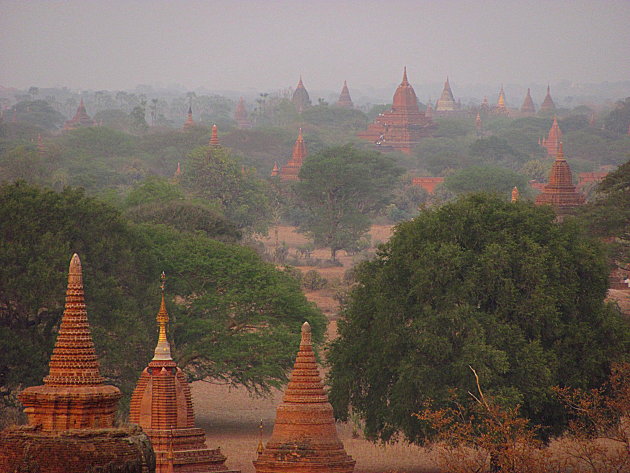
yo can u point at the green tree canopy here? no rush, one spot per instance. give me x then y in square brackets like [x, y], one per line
[619, 119]
[485, 178]
[479, 282]
[340, 187]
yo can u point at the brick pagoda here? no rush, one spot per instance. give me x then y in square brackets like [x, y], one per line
[80, 120]
[548, 106]
[162, 405]
[71, 417]
[560, 192]
[189, 123]
[214, 137]
[552, 142]
[344, 97]
[403, 126]
[290, 171]
[501, 108]
[528, 107]
[276, 169]
[300, 98]
[446, 102]
[240, 116]
[304, 438]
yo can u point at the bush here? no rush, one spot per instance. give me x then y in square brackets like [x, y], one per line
[313, 281]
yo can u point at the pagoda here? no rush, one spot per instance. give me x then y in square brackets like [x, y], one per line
[344, 97]
[300, 98]
[515, 194]
[290, 171]
[304, 438]
[446, 102]
[560, 192]
[479, 125]
[501, 108]
[189, 123]
[485, 105]
[162, 405]
[548, 106]
[80, 120]
[276, 169]
[214, 137]
[428, 113]
[41, 147]
[403, 126]
[71, 416]
[552, 142]
[240, 116]
[528, 107]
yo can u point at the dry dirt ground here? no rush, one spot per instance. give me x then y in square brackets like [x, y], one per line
[231, 417]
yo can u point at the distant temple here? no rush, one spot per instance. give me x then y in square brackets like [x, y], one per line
[560, 192]
[403, 126]
[552, 142]
[290, 171]
[528, 107]
[501, 108]
[304, 438]
[300, 98]
[446, 102]
[240, 116]
[80, 120]
[162, 405]
[344, 97]
[478, 126]
[276, 169]
[71, 416]
[214, 137]
[548, 106]
[189, 123]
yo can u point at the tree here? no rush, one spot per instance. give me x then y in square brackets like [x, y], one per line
[340, 187]
[494, 150]
[478, 282]
[38, 112]
[619, 119]
[485, 178]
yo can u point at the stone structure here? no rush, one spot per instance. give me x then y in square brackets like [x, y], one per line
[300, 98]
[427, 183]
[162, 405]
[276, 169]
[515, 194]
[304, 438]
[71, 416]
[560, 192]
[403, 126]
[80, 120]
[528, 107]
[178, 171]
[501, 108]
[548, 106]
[290, 171]
[485, 105]
[428, 113]
[214, 137]
[446, 102]
[552, 142]
[189, 123]
[344, 97]
[240, 116]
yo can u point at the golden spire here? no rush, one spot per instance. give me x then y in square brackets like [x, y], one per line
[163, 349]
[260, 448]
[515, 194]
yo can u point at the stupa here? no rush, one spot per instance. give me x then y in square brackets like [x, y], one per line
[189, 123]
[548, 106]
[446, 102]
[515, 194]
[501, 108]
[560, 192]
[240, 116]
[290, 171]
[80, 120]
[528, 107]
[162, 405]
[71, 416]
[403, 126]
[304, 438]
[300, 98]
[552, 142]
[214, 137]
[276, 169]
[344, 97]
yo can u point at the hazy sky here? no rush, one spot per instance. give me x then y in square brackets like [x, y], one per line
[267, 44]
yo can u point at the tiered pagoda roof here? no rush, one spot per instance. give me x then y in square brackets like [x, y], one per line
[81, 119]
[552, 142]
[300, 98]
[403, 126]
[240, 115]
[189, 123]
[344, 98]
[560, 192]
[304, 438]
[214, 137]
[446, 102]
[528, 106]
[548, 105]
[290, 171]
[162, 405]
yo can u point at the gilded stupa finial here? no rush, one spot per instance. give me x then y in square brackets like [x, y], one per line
[260, 448]
[163, 349]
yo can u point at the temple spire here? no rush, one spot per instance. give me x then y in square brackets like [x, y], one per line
[163, 348]
[515, 194]
[214, 138]
[404, 79]
[548, 105]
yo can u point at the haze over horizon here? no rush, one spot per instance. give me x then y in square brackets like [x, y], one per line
[247, 44]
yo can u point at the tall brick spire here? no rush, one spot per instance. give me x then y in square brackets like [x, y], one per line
[552, 142]
[214, 137]
[344, 98]
[560, 192]
[240, 115]
[290, 171]
[300, 97]
[528, 104]
[548, 105]
[304, 438]
[189, 120]
[73, 394]
[446, 102]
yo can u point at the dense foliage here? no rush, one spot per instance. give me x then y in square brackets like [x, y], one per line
[484, 283]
